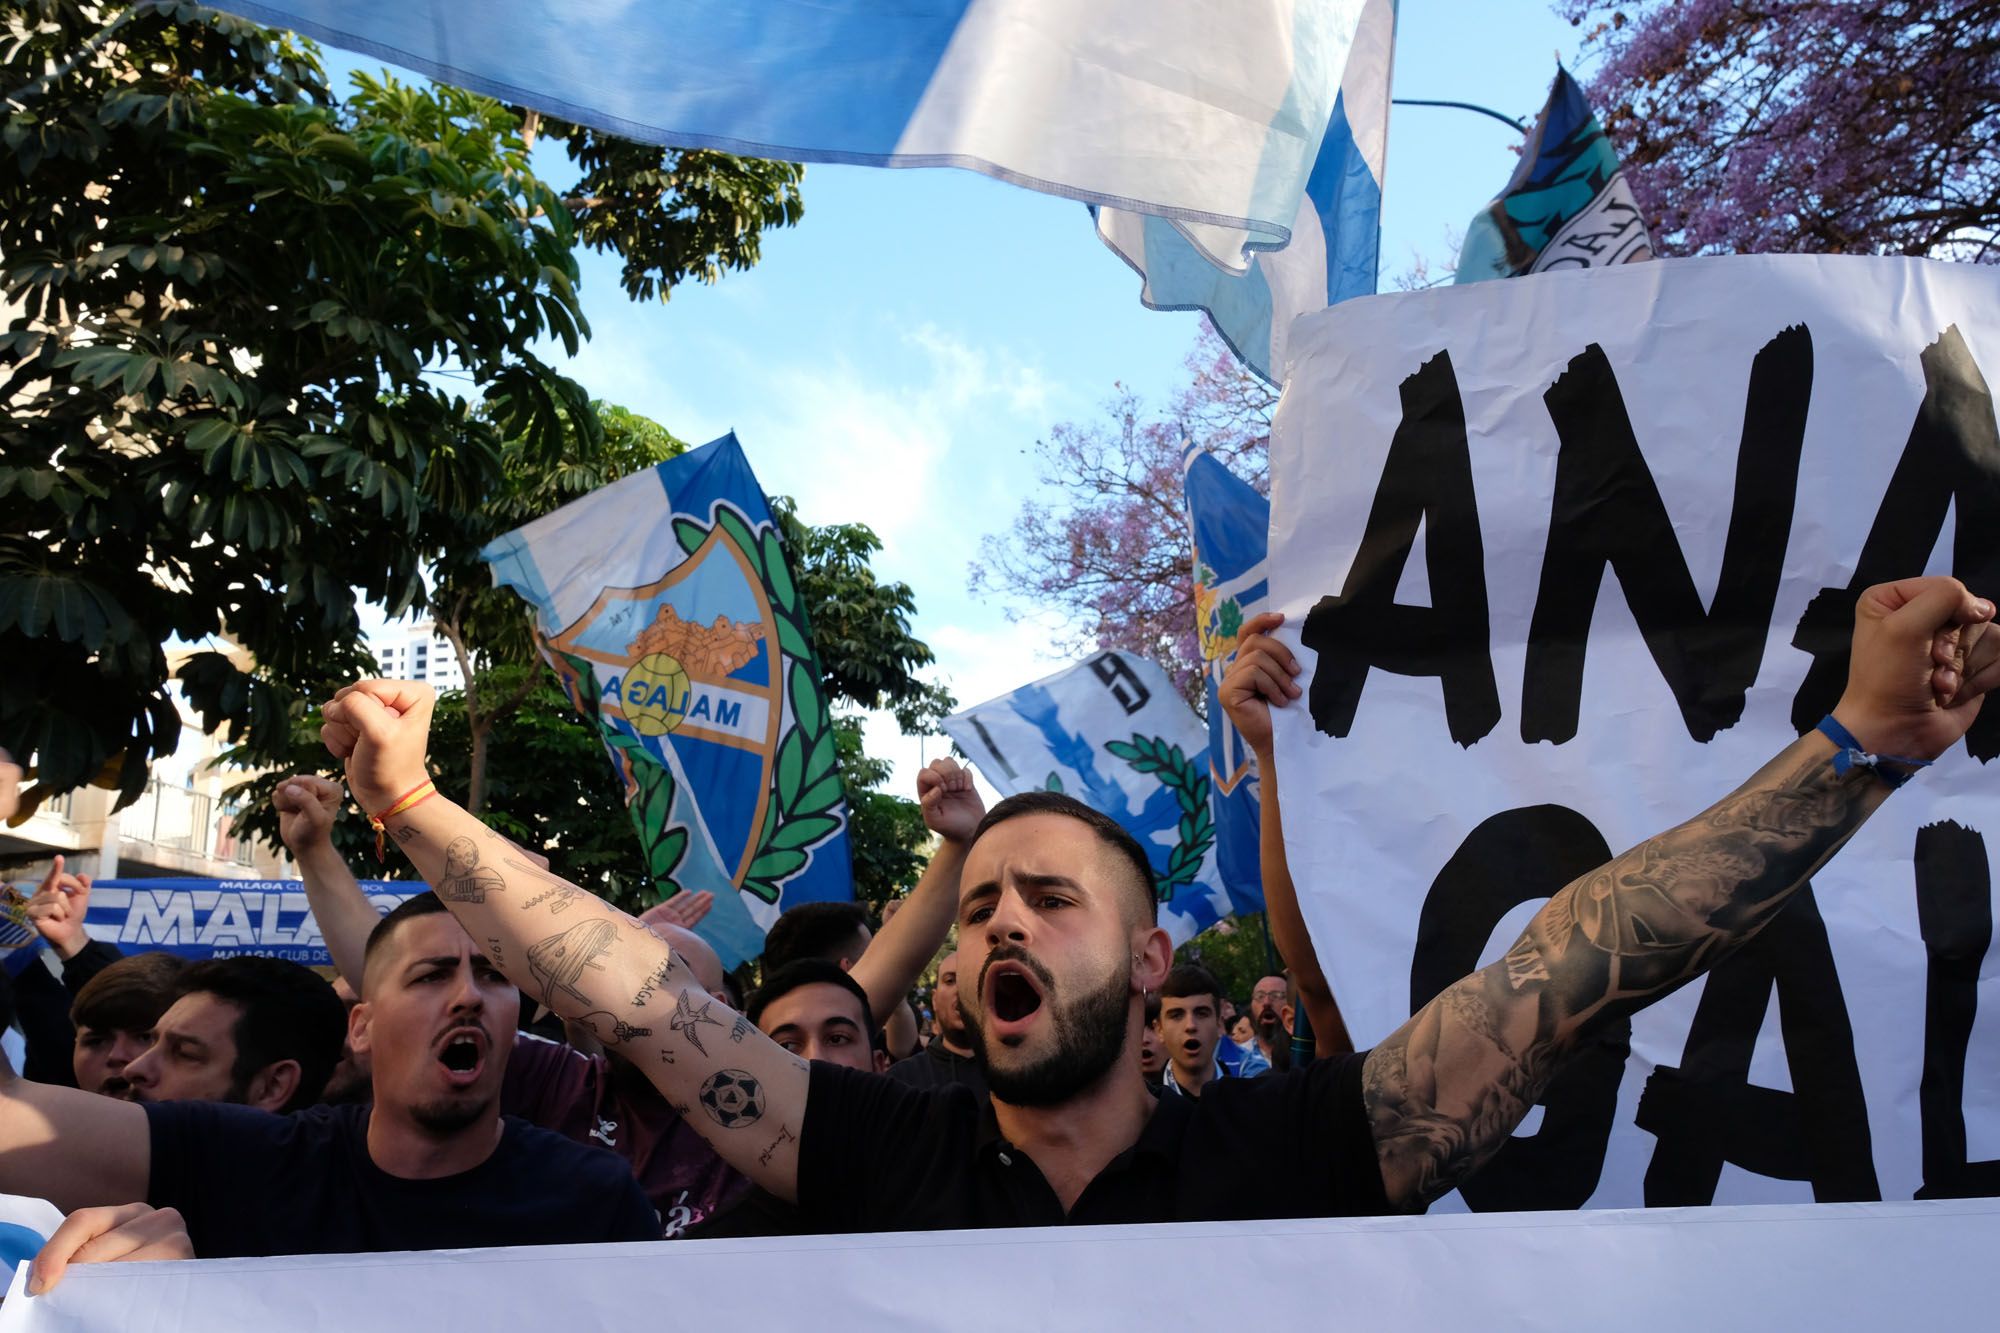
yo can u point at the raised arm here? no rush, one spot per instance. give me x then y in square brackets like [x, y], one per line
[307, 807]
[583, 958]
[1446, 1089]
[897, 955]
[75, 1149]
[1260, 678]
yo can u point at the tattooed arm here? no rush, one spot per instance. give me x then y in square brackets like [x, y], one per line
[1447, 1088]
[582, 957]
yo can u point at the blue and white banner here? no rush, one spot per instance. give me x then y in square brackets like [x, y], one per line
[667, 605]
[1336, 233]
[217, 918]
[1114, 733]
[1567, 206]
[1230, 524]
[1207, 114]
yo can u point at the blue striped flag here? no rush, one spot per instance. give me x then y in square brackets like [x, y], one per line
[1209, 114]
[1336, 233]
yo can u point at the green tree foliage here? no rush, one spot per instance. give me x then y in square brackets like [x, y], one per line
[267, 347]
[1236, 951]
[673, 214]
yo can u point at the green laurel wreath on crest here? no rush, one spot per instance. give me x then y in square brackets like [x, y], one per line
[805, 788]
[1189, 784]
[654, 802]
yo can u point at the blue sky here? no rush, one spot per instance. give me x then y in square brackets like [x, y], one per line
[894, 358]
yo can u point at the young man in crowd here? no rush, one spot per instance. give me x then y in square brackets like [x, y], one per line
[948, 1058]
[1191, 1030]
[839, 933]
[250, 1031]
[817, 1011]
[114, 1016]
[1057, 923]
[429, 1165]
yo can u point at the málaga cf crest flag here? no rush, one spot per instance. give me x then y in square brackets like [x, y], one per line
[1567, 206]
[1230, 524]
[665, 604]
[1114, 733]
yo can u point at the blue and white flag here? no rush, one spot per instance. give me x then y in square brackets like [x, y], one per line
[1336, 239]
[1230, 524]
[667, 605]
[198, 919]
[1206, 113]
[1567, 205]
[1114, 733]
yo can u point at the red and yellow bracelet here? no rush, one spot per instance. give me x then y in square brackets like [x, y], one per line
[409, 800]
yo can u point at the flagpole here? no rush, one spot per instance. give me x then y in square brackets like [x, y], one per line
[1519, 126]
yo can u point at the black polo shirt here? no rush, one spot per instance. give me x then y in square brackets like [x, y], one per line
[878, 1155]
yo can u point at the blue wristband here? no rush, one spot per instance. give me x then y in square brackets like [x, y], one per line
[1849, 754]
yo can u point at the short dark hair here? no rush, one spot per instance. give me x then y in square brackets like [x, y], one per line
[1191, 979]
[1108, 830]
[423, 904]
[1152, 1008]
[811, 972]
[825, 931]
[288, 1012]
[129, 995]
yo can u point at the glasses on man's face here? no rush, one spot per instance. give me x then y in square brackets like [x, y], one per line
[1267, 995]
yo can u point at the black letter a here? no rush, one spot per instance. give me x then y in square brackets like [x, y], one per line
[1427, 479]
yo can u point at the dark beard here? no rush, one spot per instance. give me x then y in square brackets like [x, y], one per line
[1090, 1039]
[442, 1120]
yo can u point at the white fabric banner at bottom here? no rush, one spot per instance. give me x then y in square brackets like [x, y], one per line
[1907, 1265]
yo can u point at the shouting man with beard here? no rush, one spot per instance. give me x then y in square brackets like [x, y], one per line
[1058, 945]
[430, 1165]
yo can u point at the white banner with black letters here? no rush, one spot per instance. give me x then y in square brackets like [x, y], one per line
[1569, 557]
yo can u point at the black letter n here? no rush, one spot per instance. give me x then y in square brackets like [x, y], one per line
[1607, 510]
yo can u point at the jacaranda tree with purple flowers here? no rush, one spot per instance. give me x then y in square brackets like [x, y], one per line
[1823, 126]
[1105, 560]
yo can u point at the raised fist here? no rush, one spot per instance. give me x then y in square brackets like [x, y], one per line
[306, 806]
[1920, 666]
[950, 803]
[380, 729]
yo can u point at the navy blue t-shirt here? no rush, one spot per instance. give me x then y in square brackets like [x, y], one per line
[249, 1183]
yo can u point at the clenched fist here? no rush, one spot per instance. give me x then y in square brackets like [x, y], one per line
[951, 805]
[307, 806]
[380, 729]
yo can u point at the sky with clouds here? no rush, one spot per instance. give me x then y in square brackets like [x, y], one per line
[895, 357]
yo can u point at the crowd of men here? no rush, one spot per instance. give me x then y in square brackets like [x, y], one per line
[507, 1059]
